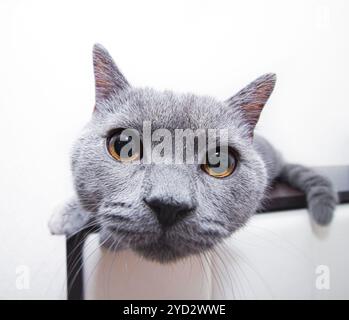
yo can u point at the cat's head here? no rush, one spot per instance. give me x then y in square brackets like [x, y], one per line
[162, 209]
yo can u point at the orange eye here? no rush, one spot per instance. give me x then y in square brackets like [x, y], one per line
[125, 145]
[222, 168]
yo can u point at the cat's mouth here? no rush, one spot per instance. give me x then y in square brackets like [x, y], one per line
[163, 247]
[165, 251]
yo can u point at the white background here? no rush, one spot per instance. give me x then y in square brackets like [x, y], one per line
[209, 47]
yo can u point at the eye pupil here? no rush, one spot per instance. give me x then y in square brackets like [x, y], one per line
[215, 164]
[120, 142]
[219, 165]
[123, 147]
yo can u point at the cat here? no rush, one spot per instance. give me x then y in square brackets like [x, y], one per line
[166, 212]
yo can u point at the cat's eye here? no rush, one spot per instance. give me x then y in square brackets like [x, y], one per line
[125, 145]
[220, 164]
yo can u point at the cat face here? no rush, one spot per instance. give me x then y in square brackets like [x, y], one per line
[165, 210]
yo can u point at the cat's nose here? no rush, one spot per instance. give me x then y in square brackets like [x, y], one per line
[170, 193]
[169, 211]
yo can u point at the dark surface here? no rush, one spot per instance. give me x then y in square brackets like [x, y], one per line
[75, 284]
[282, 197]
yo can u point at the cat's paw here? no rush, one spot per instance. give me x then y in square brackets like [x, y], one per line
[59, 223]
[322, 210]
[67, 220]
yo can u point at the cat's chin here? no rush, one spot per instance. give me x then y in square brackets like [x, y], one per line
[157, 251]
[163, 252]
[160, 254]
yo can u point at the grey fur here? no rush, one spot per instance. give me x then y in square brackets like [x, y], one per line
[319, 191]
[117, 194]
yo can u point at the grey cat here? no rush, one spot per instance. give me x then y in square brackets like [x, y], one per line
[169, 211]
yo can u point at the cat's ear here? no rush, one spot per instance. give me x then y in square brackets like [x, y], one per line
[108, 78]
[253, 97]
